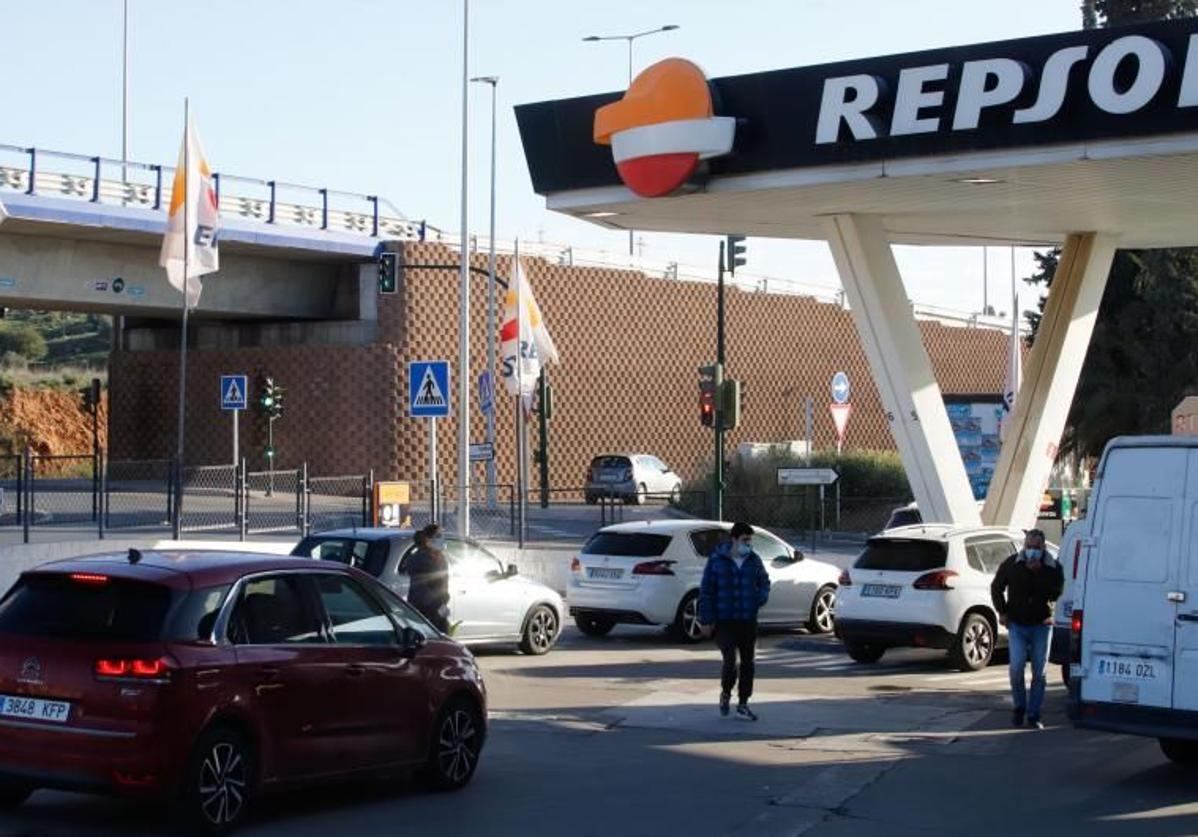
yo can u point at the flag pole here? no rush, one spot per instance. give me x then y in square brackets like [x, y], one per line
[521, 441]
[183, 333]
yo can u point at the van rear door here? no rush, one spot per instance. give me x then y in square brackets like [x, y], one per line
[1185, 662]
[1133, 567]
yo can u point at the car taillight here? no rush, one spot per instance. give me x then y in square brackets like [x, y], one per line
[653, 568]
[1076, 621]
[845, 579]
[89, 578]
[575, 565]
[138, 669]
[935, 580]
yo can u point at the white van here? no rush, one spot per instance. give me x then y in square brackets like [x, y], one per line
[1134, 631]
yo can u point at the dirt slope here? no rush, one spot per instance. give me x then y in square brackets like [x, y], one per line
[53, 422]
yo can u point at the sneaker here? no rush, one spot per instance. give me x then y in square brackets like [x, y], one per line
[745, 713]
[725, 698]
[1034, 723]
[1017, 718]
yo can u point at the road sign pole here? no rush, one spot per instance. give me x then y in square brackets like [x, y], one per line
[718, 478]
[433, 486]
[236, 422]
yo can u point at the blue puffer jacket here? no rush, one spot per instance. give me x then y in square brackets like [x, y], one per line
[728, 592]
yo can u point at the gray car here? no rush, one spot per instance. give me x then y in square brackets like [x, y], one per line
[631, 477]
[488, 602]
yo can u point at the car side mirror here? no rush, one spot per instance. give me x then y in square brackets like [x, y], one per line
[799, 556]
[410, 642]
[512, 570]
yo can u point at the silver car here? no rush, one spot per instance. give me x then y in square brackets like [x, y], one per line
[488, 602]
[631, 477]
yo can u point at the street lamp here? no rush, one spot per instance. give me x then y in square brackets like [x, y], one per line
[630, 38]
[494, 82]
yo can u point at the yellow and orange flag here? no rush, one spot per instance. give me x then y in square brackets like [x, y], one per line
[189, 248]
[524, 339]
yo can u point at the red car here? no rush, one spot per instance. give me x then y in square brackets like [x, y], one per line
[205, 678]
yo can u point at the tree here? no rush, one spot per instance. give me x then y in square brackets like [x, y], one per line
[22, 339]
[1124, 12]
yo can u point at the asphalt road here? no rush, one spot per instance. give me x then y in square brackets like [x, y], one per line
[620, 736]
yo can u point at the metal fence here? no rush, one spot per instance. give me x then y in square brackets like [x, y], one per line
[138, 494]
[274, 502]
[208, 498]
[63, 490]
[338, 502]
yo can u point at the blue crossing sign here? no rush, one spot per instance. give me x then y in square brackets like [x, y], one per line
[234, 392]
[486, 393]
[840, 388]
[428, 388]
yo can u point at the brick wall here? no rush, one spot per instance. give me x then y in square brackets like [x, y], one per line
[630, 347]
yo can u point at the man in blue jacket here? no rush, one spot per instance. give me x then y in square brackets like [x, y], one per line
[735, 586]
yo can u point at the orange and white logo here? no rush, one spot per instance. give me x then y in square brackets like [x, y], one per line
[663, 127]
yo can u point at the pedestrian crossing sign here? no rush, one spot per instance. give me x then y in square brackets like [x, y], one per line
[234, 392]
[428, 388]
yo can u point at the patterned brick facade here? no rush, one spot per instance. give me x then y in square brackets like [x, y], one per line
[630, 348]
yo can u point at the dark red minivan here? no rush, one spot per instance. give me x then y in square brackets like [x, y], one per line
[204, 678]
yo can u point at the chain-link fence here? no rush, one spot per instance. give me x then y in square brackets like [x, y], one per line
[338, 502]
[274, 502]
[138, 494]
[12, 490]
[209, 499]
[63, 490]
[492, 510]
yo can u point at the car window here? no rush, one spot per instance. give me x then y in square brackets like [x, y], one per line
[467, 559]
[706, 540]
[354, 617]
[658, 464]
[611, 462]
[195, 617]
[973, 556]
[902, 555]
[85, 606]
[403, 613]
[354, 552]
[630, 544]
[995, 553]
[903, 517]
[274, 611]
[770, 548]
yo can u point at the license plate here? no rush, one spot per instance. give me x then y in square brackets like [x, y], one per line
[55, 711]
[881, 591]
[1125, 692]
[1127, 668]
[606, 573]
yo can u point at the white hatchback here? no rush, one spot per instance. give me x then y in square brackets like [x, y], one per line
[648, 573]
[926, 586]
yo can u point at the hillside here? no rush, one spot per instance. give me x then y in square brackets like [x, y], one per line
[62, 339]
[52, 422]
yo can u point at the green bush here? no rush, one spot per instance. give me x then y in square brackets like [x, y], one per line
[22, 339]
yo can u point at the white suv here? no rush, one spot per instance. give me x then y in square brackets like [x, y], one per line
[648, 573]
[926, 586]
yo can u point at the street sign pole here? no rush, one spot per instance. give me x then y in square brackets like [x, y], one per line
[433, 483]
[718, 479]
[236, 421]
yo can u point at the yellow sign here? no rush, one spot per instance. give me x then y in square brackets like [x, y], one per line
[393, 493]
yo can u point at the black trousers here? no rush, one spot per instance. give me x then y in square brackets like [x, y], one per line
[737, 637]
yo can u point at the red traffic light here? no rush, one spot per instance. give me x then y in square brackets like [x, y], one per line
[707, 408]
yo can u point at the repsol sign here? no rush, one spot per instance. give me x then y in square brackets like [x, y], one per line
[1093, 85]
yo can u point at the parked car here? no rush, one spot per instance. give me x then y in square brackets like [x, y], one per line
[648, 573]
[1135, 599]
[488, 602]
[631, 477]
[202, 679]
[910, 515]
[1059, 652]
[926, 586]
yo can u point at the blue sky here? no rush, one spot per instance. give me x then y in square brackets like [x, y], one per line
[364, 95]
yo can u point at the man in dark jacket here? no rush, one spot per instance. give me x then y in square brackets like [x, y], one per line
[428, 577]
[1024, 590]
[735, 586]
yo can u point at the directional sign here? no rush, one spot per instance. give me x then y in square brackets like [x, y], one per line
[234, 392]
[807, 476]
[481, 451]
[428, 388]
[840, 388]
[486, 393]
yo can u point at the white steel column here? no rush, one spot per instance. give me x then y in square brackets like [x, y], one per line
[1049, 381]
[901, 368]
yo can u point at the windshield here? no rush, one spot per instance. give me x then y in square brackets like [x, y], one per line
[85, 606]
[638, 545]
[902, 555]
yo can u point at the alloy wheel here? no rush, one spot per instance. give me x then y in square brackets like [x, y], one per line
[457, 746]
[222, 783]
[979, 642]
[690, 618]
[825, 603]
[542, 629]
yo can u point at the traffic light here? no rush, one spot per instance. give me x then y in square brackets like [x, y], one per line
[91, 396]
[730, 403]
[707, 392]
[388, 272]
[271, 399]
[736, 253]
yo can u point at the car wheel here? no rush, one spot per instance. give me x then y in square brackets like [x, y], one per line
[642, 495]
[12, 795]
[591, 499]
[457, 743]
[686, 623]
[864, 652]
[216, 787]
[821, 611]
[676, 495]
[1180, 750]
[540, 631]
[594, 625]
[974, 644]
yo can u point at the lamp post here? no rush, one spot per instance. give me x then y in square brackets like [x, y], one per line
[463, 509]
[494, 82]
[630, 38]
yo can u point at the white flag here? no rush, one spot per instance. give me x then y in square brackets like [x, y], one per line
[3, 213]
[523, 335]
[193, 204]
[1014, 368]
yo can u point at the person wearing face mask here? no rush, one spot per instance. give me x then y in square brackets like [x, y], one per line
[1024, 590]
[735, 586]
[428, 577]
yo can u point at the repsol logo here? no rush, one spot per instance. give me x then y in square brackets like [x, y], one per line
[1121, 78]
